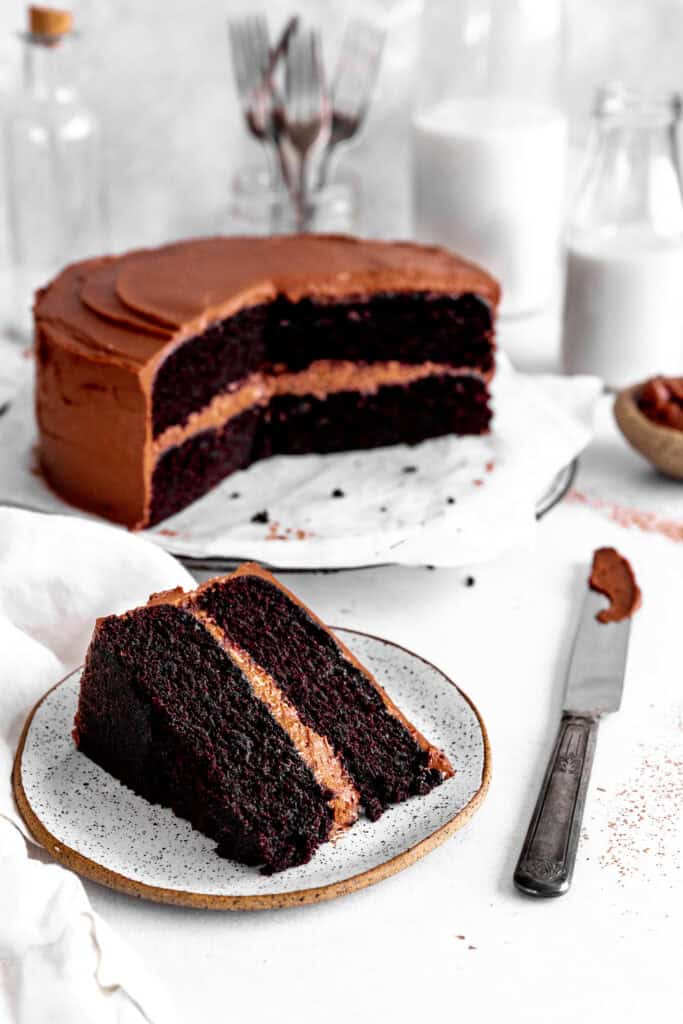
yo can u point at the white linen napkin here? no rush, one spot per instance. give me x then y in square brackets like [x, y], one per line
[58, 959]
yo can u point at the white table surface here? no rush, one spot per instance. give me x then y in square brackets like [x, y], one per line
[450, 936]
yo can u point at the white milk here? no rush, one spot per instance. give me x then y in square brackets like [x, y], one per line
[623, 315]
[489, 183]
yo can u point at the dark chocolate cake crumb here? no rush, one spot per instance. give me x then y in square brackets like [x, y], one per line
[260, 517]
[450, 501]
[432, 567]
[409, 469]
[235, 494]
[338, 493]
[382, 508]
[470, 581]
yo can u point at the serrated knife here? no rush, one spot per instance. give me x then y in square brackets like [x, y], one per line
[595, 682]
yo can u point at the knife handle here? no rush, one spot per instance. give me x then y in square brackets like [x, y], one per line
[546, 863]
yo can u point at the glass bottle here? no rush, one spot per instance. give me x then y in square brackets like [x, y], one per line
[623, 315]
[490, 140]
[53, 161]
[259, 207]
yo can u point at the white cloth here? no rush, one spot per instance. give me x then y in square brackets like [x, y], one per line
[59, 962]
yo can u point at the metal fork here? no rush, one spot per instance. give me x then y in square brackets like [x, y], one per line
[305, 116]
[254, 64]
[353, 84]
[250, 58]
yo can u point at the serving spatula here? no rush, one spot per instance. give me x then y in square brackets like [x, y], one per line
[595, 682]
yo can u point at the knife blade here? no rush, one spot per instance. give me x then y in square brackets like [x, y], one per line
[594, 686]
[595, 678]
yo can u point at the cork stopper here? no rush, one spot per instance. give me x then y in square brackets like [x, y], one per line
[49, 21]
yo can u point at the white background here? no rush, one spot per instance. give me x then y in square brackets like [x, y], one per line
[159, 73]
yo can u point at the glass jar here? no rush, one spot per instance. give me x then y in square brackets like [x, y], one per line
[623, 315]
[490, 140]
[54, 174]
[259, 207]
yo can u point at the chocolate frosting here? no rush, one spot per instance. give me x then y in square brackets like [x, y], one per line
[612, 575]
[105, 325]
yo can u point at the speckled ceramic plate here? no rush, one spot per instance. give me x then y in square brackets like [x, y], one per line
[93, 824]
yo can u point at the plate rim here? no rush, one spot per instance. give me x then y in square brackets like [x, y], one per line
[96, 872]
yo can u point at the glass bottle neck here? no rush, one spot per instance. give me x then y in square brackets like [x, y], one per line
[48, 69]
[631, 179]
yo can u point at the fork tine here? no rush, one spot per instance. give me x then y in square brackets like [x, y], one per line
[262, 42]
[240, 49]
[238, 63]
[317, 69]
[295, 75]
[357, 67]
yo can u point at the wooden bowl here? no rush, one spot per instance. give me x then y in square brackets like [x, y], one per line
[662, 446]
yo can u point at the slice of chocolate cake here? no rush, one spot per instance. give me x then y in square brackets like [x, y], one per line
[236, 707]
[161, 372]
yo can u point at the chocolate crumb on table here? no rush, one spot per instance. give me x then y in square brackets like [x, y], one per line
[338, 493]
[409, 469]
[260, 517]
[470, 581]
[235, 494]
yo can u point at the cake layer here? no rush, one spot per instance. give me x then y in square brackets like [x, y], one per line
[398, 414]
[299, 424]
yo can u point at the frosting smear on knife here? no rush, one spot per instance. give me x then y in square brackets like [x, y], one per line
[612, 575]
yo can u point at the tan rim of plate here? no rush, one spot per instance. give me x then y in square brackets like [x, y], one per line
[268, 901]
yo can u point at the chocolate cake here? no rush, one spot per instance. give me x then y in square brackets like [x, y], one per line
[160, 372]
[236, 707]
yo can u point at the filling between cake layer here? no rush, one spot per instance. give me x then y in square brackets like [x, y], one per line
[385, 759]
[413, 328]
[165, 709]
[408, 413]
[313, 748]
[322, 378]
